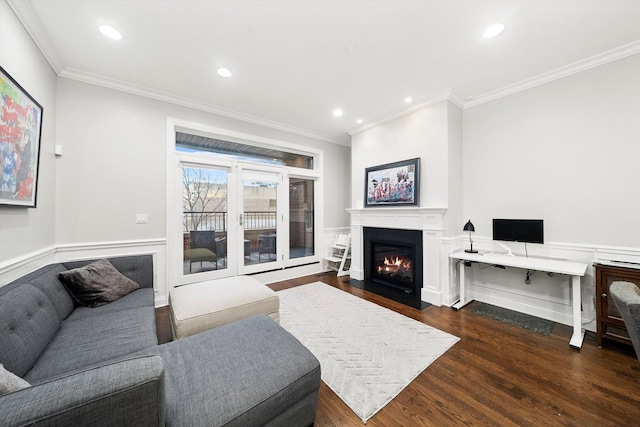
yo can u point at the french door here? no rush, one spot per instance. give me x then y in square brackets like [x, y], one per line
[232, 219]
[261, 219]
[206, 201]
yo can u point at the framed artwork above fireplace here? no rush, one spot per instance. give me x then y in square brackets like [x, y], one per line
[393, 184]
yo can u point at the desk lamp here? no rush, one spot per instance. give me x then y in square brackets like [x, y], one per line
[470, 228]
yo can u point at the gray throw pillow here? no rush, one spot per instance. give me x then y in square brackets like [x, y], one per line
[10, 382]
[96, 284]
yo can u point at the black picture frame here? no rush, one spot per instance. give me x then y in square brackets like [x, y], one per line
[20, 135]
[393, 184]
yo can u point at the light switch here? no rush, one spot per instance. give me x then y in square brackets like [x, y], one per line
[141, 218]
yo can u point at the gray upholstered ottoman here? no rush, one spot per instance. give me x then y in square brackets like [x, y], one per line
[206, 305]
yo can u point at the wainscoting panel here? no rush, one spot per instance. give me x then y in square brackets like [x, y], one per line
[546, 296]
[18, 267]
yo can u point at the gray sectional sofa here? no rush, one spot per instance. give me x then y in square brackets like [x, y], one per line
[103, 366]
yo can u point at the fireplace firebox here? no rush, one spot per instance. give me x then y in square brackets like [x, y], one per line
[393, 259]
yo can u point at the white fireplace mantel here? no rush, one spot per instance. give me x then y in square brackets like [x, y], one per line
[408, 218]
[429, 220]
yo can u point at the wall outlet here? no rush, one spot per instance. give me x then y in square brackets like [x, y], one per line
[142, 218]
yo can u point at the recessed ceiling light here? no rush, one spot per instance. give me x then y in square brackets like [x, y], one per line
[110, 32]
[493, 31]
[338, 112]
[224, 72]
[359, 121]
[408, 99]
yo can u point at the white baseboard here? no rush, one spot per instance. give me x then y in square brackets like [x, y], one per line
[431, 296]
[545, 297]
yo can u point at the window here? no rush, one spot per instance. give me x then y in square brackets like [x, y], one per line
[237, 151]
[301, 218]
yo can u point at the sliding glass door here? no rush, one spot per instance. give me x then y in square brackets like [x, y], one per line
[260, 220]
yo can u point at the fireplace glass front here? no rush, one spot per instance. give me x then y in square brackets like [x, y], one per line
[393, 258]
[393, 264]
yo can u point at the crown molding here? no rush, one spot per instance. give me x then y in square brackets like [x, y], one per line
[31, 23]
[559, 73]
[119, 85]
[449, 95]
[26, 14]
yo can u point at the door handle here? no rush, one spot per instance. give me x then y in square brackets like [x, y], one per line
[240, 220]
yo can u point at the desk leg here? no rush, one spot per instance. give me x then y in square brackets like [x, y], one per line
[462, 301]
[578, 332]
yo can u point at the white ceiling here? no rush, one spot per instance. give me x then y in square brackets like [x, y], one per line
[295, 61]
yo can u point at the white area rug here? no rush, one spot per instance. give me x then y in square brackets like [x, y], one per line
[367, 353]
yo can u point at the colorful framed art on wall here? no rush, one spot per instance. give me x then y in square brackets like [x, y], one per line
[20, 132]
[393, 184]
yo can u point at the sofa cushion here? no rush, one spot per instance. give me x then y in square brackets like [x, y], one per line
[89, 341]
[138, 268]
[126, 393]
[97, 284]
[10, 382]
[244, 373]
[28, 321]
[144, 297]
[46, 279]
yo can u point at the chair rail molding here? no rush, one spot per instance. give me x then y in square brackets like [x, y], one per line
[17, 267]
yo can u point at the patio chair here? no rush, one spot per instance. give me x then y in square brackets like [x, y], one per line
[267, 246]
[203, 248]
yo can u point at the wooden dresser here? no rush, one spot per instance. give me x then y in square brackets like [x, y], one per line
[609, 322]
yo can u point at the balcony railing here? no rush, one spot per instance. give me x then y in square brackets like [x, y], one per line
[252, 220]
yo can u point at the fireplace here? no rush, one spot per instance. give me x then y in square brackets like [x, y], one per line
[433, 283]
[393, 261]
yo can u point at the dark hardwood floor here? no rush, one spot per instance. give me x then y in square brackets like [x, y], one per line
[496, 375]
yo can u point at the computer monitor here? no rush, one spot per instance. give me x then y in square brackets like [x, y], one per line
[518, 230]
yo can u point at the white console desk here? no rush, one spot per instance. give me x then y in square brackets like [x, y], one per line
[574, 269]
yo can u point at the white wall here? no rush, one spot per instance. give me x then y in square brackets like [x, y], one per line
[454, 222]
[567, 152]
[25, 230]
[113, 165]
[420, 134]
[434, 134]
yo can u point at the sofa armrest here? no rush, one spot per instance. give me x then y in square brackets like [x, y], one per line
[126, 392]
